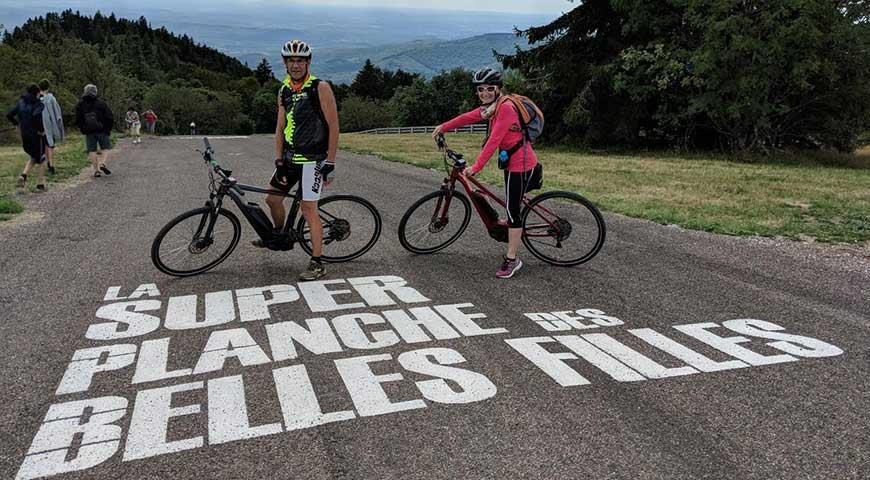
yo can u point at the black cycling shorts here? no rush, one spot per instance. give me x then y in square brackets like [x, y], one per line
[515, 185]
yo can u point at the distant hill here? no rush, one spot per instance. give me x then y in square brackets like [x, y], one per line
[133, 66]
[427, 57]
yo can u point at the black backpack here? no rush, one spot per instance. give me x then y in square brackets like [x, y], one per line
[92, 122]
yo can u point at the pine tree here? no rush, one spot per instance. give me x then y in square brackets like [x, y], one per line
[263, 72]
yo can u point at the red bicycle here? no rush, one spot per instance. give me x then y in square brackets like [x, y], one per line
[561, 228]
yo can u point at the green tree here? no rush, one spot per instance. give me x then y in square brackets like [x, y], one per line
[413, 105]
[739, 74]
[263, 72]
[369, 82]
[455, 94]
[358, 113]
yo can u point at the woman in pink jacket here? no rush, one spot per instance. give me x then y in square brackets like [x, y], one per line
[506, 139]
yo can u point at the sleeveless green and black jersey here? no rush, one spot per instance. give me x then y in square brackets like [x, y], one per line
[306, 135]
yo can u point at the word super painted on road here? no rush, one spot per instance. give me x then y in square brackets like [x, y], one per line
[93, 423]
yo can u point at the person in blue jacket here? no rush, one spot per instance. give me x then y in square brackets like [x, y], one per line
[27, 116]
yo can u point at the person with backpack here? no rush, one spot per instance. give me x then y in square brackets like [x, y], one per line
[52, 122]
[509, 137]
[95, 120]
[27, 116]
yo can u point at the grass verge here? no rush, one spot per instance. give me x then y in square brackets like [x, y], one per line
[70, 159]
[793, 196]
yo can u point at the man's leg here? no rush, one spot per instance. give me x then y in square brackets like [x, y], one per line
[312, 217]
[49, 157]
[28, 166]
[276, 208]
[311, 185]
[41, 175]
[22, 179]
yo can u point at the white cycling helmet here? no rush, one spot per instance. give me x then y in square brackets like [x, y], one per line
[487, 76]
[296, 48]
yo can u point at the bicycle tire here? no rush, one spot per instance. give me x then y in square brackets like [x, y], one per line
[434, 226]
[562, 228]
[162, 263]
[337, 228]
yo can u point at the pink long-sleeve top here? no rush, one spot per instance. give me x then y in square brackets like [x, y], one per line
[505, 132]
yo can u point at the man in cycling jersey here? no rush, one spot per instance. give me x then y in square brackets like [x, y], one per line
[306, 141]
[507, 139]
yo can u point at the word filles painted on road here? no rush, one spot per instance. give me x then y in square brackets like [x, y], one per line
[84, 431]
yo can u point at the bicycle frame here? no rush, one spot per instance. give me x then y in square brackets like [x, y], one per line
[285, 239]
[497, 228]
[236, 191]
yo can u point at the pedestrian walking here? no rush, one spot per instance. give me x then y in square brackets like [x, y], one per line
[135, 125]
[95, 120]
[192, 128]
[150, 120]
[52, 123]
[27, 116]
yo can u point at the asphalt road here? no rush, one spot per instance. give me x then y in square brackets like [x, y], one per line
[438, 373]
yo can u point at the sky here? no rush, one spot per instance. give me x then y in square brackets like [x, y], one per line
[554, 7]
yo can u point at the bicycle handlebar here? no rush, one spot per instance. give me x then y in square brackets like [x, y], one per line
[207, 156]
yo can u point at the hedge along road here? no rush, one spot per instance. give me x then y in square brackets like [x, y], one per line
[672, 354]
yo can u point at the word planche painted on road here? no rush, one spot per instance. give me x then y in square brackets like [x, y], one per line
[120, 396]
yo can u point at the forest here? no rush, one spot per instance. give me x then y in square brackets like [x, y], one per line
[728, 75]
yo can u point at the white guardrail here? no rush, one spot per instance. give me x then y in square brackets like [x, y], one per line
[476, 128]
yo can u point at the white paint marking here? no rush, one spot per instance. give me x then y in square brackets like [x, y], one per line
[318, 339]
[352, 335]
[604, 362]
[787, 343]
[321, 300]
[136, 323]
[100, 438]
[365, 389]
[153, 362]
[474, 387]
[149, 424]
[228, 413]
[224, 344]
[550, 363]
[254, 306]
[641, 363]
[299, 404]
[85, 364]
[410, 330]
[729, 345]
[685, 354]
[464, 322]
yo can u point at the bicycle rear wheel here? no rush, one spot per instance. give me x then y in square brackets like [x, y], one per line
[563, 228]
[427, 226]
[195, 241]
[351, 226]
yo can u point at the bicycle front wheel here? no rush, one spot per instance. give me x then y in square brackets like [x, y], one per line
[195, 241]
[351, 226]
[563, 228]
[435, 221]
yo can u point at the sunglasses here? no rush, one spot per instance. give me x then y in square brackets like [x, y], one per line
[482, 89]
[296, 61]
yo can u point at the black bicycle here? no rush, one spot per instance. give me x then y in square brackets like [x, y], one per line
[197, 241]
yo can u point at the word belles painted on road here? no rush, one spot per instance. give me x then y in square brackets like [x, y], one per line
[351, 319]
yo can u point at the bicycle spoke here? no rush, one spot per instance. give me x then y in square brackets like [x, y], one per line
[563, 228]
[429, 226]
